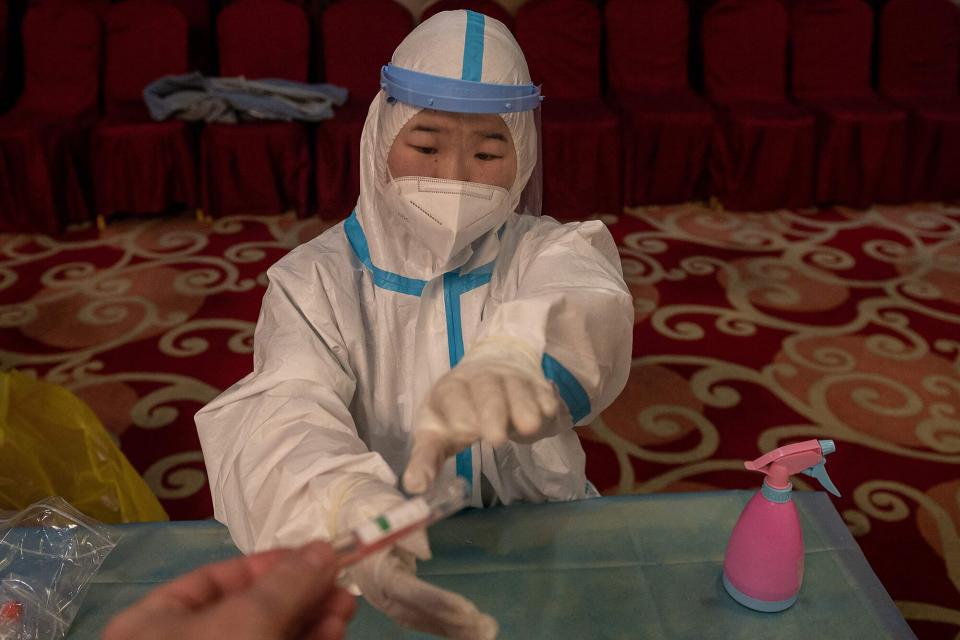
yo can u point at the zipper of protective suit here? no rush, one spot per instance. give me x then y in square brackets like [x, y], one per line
[454, 286]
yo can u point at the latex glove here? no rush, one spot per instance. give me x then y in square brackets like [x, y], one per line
[388, 579]
[497, 391]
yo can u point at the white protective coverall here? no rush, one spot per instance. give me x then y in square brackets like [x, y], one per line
[359, 323]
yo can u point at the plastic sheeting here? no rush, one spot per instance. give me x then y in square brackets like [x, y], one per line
[629, 567]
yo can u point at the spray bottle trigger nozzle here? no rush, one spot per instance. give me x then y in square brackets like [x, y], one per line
[820, 473]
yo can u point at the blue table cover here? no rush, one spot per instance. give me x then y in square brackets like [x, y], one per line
[646, 566]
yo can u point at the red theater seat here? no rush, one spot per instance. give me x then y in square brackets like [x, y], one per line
[359, 37]
[4, 43]
[862, 138]
[667, 127]
[42, 139]
[141, 166]
[581, 133]
[919, 58]
[762, 155]
[98, 7]
[200, 32]
[258, 167]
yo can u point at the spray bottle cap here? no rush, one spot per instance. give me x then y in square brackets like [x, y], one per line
[808, 458]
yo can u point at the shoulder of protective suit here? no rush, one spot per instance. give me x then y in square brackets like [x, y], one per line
[540, 233]
[327, 253]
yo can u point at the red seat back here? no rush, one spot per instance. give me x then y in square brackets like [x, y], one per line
[646, 45]
[831, 48]
[146, 39]
[561, 41]
[264, 39]
[744, 50]
[359, 37]
[4, 13]
[199, 32]
[196, 13]
[99, 7]
[919, 48]
[487, 7]
[61, 57]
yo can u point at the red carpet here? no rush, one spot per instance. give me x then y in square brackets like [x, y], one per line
[752, 331]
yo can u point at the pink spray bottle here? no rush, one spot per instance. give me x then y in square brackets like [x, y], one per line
[763, 565]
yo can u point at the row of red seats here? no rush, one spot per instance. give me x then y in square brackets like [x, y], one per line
[652, 145]
[769, 139]
[199, 15]
[59, 153]
[753, 142]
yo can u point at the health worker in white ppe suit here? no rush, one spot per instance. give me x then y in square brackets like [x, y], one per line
[443, 329]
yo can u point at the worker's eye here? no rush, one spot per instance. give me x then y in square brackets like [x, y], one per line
[427, 151]
[487, 157]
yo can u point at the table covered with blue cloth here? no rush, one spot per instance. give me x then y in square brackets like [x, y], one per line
[645, 566]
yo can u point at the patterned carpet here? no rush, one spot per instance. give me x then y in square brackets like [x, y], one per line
[753, 330]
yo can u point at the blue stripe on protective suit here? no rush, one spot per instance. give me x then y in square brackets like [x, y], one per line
[381, 278]
[571, 391]
[473, 48]
[454, 286]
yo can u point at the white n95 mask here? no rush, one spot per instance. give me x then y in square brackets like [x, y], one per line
[447, 215]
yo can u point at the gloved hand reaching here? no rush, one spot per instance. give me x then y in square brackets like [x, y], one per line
[497, 391]
[388, 579]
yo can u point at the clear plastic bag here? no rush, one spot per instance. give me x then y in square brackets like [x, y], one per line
[49, 552]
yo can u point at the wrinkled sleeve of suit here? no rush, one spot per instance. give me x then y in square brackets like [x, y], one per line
[565, 297]
[280, 444]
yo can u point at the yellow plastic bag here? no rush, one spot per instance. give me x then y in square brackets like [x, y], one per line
[52, 444]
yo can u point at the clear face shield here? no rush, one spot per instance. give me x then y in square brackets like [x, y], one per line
[466, 155]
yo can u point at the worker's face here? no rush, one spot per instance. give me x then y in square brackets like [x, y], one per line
[455, 146]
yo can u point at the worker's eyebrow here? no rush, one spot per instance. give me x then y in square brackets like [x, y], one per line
[491, 135]
[426, 128]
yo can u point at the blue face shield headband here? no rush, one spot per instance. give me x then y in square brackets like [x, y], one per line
[459, 96]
